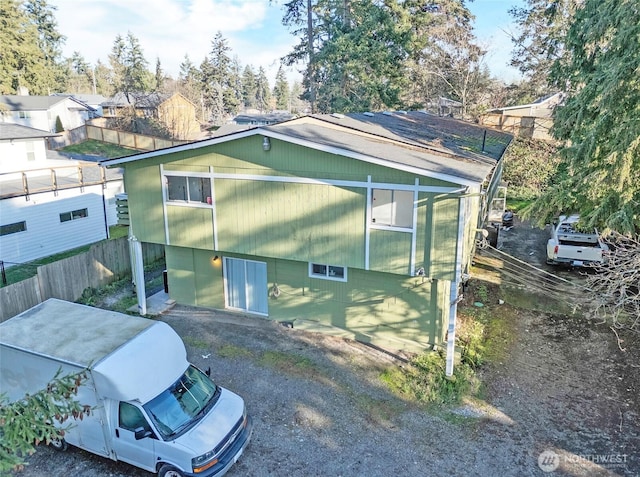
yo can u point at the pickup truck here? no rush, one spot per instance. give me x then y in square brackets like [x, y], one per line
[568, 246]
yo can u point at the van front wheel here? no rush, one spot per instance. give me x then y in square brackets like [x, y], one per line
[169, 471]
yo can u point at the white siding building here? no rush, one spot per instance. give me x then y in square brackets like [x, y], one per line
[41, 112]
[48, 206]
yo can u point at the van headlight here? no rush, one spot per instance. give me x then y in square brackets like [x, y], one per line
[203, 462]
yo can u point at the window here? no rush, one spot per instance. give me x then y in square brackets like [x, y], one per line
[24, 114]
[31, 154]
[13, 228]
[131, 418]
[393, 208]
[74, 215]
[328, 272]
[189, 189]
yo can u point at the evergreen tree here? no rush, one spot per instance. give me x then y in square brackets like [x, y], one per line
[49, 42]
[160, 77]
[281, 90]
[39, 417]
[217, 80]
[249, 87]
[543, 26]
[102, 77]
[130, 73]
[298, 105]
[235, 85]
[599, 122]
[356, 48]
[49, 39]
[190, 86]
[23, 63]
[263, 91]
[80, 74]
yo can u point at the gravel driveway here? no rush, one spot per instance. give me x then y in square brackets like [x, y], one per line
[565, 395]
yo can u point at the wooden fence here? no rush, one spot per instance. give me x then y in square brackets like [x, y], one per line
[127, 139]
[103, 263]
[140, 142]
[66, 138]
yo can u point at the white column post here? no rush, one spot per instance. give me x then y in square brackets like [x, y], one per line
[138, 274]
[453, 292]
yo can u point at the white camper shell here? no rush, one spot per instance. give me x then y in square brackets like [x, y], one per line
[150, 407]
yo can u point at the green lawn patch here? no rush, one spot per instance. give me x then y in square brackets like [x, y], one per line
[97, 148]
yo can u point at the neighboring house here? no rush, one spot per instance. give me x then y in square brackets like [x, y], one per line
[92, 100]
[533, 121]
[48, 206]
[259, 119]
[41, 112]
[175, 112]
[361, 225]
[445, 107]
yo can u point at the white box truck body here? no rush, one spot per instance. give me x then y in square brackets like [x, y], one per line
[150, 407]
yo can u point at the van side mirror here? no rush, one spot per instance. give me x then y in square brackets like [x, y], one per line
[141, 433]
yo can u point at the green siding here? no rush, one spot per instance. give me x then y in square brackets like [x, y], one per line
[245, 156]
[470, 231]
[444, 229]
[181, 275]
[316, 223]
[190, 226]
[209, 283]
[306, 222]
[384, 309]
[390, 251]
[394, 312]
[144, 191]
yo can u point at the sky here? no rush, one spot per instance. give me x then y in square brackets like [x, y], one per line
[170, 29]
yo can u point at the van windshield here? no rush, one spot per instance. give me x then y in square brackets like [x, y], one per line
[183, 404]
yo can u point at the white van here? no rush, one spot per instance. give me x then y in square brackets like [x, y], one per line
[150, 407]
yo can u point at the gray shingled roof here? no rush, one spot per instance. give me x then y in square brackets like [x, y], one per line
[139, 100]
[418, 146]
[442, 134]
[30, 103]
[17, 131]
[419, 140]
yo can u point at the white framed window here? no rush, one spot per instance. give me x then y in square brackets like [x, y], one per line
[74, 215]
[392, 208]
[188, 189]
[31, 152]
[24, 114]
[13, 228]
[328, 272]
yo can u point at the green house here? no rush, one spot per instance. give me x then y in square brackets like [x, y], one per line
[359, 225]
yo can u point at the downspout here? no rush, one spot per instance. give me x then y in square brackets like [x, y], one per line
[453, 293]
[104, 212]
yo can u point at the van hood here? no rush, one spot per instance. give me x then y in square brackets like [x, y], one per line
[215, 425]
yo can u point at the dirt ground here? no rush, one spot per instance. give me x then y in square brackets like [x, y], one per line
[563, 401]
